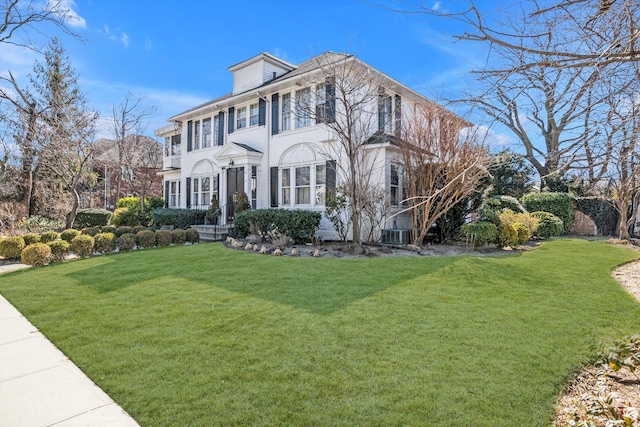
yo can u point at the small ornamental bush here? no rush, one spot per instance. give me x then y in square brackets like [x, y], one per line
[506, 202]
[138, 228]
[192, 235]
[480, 233]
[11, 247]
[125, 229]
[178, 236]
[59, 250]
[38, 224]
[510, 217]
[549, 225]
[507, 235]
[105, 243]
[69, 235]
[36, 254]
[48, 236]
[126, 242]
[91, 231]
[522, 233]
[31, 238]
[163, 237]
[145, 239]
[559, 204]
[82, 245]
[125, 216]
[109, 229]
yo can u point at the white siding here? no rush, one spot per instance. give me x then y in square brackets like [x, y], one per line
[248, 77]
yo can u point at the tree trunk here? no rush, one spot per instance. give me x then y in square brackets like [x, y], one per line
[74, 209]
[623, 225]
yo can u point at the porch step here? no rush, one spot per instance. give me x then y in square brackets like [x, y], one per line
[213, 233]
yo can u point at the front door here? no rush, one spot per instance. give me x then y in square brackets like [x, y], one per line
[235, 186]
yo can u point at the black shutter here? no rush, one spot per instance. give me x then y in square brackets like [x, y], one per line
[330, 109]
[381, 117]
[188, 195]
[221, 128]
[398, 116]
[331, 178]
[262, 112]
[273, 185]
[189, 139]
[179, 182]
[275, 105]
[231, 118]
[166, 194]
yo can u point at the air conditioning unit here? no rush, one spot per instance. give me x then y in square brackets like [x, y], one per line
[395, 236]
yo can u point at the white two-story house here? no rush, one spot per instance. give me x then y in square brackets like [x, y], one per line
[272, 138]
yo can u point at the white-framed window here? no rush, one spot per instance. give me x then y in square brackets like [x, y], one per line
[303, 185]
[216, 131]
[253, 115]
[241, 118]
[321, 184]
[206, 133]
[174, 194]
[196, 135]
[203, 189]
[175, 145]
[394, 186]
[286, 186]
[303, 105]
[286, 111]
[167, 146]
[385, 112]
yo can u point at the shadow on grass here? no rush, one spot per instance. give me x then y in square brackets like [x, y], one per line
[321, 285]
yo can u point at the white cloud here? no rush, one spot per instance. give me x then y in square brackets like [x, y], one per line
[65, 8]
[437, 6]
[486, 136]
[148, 45]
[124, 38]
[115, 35]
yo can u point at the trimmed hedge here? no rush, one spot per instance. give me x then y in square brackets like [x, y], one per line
[91, 231]
[31, 238]
[105, 243]
[549, 225]
[163, 237]
[59, 250]
[91, 218]
[36, 254]
[179, 218]
[125, 229]
[178, 236]
[602, 212]
[146, 239]
[11, 247]
[48, 236]
[82, 245]
[559, 204]
[126, 242]
[480, 233]
[192, 235]
[69, 235]
[300, 225]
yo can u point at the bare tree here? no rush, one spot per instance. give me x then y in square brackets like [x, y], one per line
[22, 19]
[441, 166]
[128, 120]
[346, 99]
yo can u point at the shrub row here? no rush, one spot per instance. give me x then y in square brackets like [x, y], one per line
[91, 218]
[559, 204]
[179, 218]
[300, 225]
[84, 245]
[602, 212]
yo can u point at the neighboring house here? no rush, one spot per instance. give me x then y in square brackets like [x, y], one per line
[262, 139]
[128, 172]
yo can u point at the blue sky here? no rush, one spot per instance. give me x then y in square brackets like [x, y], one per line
[176, 53]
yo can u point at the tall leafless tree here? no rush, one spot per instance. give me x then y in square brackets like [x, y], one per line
[441, 166]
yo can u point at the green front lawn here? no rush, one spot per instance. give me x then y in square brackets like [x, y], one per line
[204, 336]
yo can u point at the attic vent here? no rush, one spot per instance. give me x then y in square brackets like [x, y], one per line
[395, 236]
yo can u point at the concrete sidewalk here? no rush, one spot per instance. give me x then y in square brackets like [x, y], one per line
[40, 386]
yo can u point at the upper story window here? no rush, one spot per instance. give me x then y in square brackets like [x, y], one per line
[241, 118]
[286, 111]
[175, 145]
[206, 133]
[196, 135]
[167, 145]
[253, 114]
[303, 105]
[326, 101]
[385, 111]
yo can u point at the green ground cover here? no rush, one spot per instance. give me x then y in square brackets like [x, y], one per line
[203, 336]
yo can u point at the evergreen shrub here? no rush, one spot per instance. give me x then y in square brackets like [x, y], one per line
[31, 238]
[178, 236]
[69, 234]
[59, 250]
[480, 233]
[11, 247]
[126, 242]
[36, 254]
[82, 245]
[559, 204]
[300, 225]
[105, 243]
[549, 225]
[145, 239]
[49, 236]
[91, 218]
[163, 237]
[192, 235]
